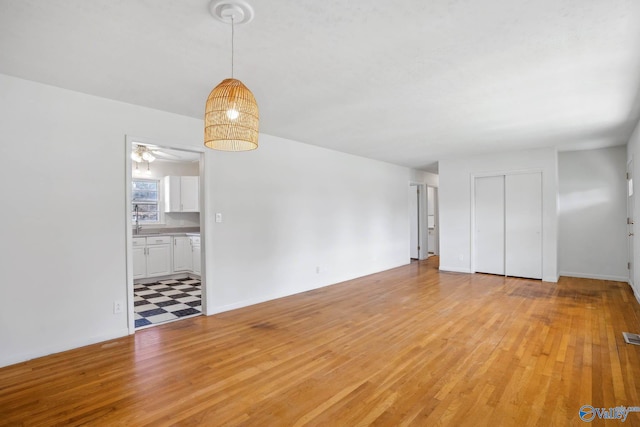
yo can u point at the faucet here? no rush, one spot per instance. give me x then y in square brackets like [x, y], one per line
[138, 226]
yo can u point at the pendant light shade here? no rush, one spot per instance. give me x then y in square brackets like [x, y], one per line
[231, 115]
[231, 118]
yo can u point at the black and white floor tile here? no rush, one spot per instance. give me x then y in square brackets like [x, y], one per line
[166, 300]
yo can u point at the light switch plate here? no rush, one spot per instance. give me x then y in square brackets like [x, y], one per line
[218, 217]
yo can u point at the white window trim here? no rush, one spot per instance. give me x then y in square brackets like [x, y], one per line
[161, 219]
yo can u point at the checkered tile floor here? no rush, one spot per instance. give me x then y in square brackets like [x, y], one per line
[166, 300]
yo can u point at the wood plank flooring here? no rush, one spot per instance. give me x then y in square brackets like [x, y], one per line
[409, 346]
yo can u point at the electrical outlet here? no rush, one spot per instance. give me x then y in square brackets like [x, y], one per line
[117, 307]
[320, 269]
[461, 257]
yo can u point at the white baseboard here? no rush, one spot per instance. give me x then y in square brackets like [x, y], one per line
[595, 276]
[273, 296]
[455, 269]
[59, 348]
[263, 298]
[179, 275]
[636, 293]
[244, 303]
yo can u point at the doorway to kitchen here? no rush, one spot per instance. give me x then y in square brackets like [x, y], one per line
[164, 199]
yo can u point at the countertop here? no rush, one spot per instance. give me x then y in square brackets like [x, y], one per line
[165, 234]
[169, 231]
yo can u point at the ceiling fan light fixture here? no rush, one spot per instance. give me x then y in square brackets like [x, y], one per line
[147, 156]
[142, 153]
[231, 117]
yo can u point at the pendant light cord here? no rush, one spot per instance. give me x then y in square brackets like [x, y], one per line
[232, 46]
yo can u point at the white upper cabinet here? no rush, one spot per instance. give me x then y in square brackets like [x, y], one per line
[189, 193]
[181, 194]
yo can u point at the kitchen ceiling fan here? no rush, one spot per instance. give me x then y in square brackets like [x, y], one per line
[143, 153]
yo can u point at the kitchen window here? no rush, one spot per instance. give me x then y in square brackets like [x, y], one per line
[145, 195]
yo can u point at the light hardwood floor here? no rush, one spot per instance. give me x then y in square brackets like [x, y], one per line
[409, 346]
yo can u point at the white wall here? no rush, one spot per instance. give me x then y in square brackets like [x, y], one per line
[62, 169]
[592, 214]
[422, 177]
[454, 197]
[633, 153]
[287, 208]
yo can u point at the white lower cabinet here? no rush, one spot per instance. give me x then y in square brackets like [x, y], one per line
[182, 255]
[151, 256]
[158, 260]
[139, 257]
[195, 249]
[165, 255]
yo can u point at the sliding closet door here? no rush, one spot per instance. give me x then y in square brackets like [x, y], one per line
[523, 225]
[489, 225]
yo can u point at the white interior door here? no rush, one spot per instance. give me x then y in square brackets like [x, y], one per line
[414, 227]
[489, 224]
[523, 225]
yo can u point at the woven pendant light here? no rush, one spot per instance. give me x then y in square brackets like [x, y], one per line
[231, 116]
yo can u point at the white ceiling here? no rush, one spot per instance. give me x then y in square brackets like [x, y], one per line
[409, 82]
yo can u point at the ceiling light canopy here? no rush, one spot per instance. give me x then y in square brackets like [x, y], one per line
[231, 115]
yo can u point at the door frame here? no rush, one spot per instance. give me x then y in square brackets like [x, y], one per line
[472, 228]
[423, 253]
[128, 145]
[436, 221]
[630, 224]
